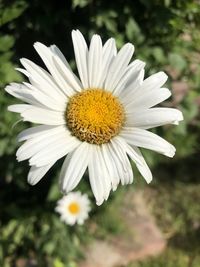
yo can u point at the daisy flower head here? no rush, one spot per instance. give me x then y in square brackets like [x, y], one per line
[98, 120]
[73, 208]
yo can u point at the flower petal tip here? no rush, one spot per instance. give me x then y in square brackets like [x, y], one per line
[22, 60]
[163, 74]
[99, 202]
[179, 117]
[37, 44]
[7, 88]
[149, 180]
[140, 64]
[31, 182]
[171, 152]
[130, 46]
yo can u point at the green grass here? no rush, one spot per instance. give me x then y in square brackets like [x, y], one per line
[170, 258]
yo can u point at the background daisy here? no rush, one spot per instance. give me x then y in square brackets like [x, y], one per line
[73, 208]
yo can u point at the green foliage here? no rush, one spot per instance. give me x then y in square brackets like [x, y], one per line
[170, 258]
[38, 231]
[108, 215]
[11, 12]
[166, 36]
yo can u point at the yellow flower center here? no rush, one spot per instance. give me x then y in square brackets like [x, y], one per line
[94, 116]
[74, 208]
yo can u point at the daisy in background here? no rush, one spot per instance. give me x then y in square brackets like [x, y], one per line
[98, 120]
[73, 208]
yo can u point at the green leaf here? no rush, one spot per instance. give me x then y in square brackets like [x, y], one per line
[6, 42]
[159, 55]
[177, 61]
[58, 263]
[54, 193]
[134, 32]
[9, 74]
[7, 14]
[80, 3]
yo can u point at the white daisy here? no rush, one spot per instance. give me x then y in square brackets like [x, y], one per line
[98, 121]
[73, 208]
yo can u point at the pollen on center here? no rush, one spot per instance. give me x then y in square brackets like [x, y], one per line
[94, 116]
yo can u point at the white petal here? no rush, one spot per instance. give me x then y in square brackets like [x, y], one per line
[137, 64]
[49, 59]
[154, 81]
[137, 79]
[32, 95]
[118, 160]
[95, 179]
[44, 100]
[56, 51]
[136, 90]
[18, 108]
[148, 100]
[143, 168]
[109, 52]
[118, 67]
[135, 154]
[111, 167]
[43, 116]
[36, 174]
[95, 61]
[48, 102]
[26, 73]
[154, 117]
[20, 91]
[59, 54]
[69, 79]
[34, 131]
[39, 142]
[127, 169]
[129, 76]
[55, 150]
[102, 171]
[146, 139]
[81, 56]
[42, 80]
[74, 167]
[127, 95]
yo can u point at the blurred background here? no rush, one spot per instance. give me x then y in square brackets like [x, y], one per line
[166, 35]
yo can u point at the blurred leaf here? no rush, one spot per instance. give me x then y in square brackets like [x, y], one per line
[54, 192]
[177, 61]
[159, 55]
[8, 73]
[12, 12]
[6, 42]
[133, 31]
[58, 263]
[80, 3]
[167, 2]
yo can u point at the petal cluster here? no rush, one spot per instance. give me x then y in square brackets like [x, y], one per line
[48, 92]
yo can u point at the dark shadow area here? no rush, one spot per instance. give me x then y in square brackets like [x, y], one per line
[185, 170]
[188, 241]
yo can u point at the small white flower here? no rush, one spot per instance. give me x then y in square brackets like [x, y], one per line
[73, 208]
[98, 121]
